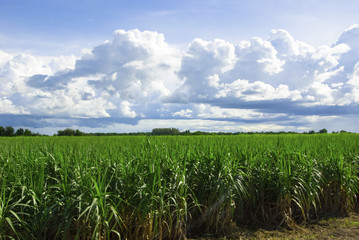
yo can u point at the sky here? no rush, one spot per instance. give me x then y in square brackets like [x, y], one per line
[199, 65]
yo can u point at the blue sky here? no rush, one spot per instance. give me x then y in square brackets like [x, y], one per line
[44, 26]
[211, 65]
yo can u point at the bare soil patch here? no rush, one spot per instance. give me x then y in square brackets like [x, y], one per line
[325, 228]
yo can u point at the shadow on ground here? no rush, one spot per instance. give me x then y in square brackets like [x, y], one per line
[325, 228]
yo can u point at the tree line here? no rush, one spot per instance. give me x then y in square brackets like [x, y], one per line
[175, 131]
[9, 131]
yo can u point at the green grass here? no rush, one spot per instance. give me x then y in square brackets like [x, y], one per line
[170, 187]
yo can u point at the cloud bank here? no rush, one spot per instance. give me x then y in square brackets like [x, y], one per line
[139, 81]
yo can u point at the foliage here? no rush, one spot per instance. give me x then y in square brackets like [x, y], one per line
[2, 131]
[323, 130]
[165, 131]
[170, 187]
[70, 132]
[20, 132]
[10, 132]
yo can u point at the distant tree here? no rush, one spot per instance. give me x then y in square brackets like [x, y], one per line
[2, 131]
[186, 132]
[66, 132]
[323, 130]
[311, 132]
[9, 131]
[79, 133]
[20, 132]
[165, 131]
[27, 132]
[70, 132]
[197, 133]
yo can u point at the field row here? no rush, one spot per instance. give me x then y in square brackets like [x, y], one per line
[171, 187]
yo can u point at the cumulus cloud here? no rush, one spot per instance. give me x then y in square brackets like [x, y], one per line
[278, 82]
[16, 69]
[105, 82]
[185, 113]
[353, 82]
[202, 60]
[7, 107]
[267, 70]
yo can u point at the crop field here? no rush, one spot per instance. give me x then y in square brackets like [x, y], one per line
[171, 187]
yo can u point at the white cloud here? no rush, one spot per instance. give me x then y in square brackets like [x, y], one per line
[4, 57]
[138, 75]
[202, 60]
[187, 113]
[16, 69]
[258, 55]
[7, 107]
[354, 85]
[206, 111]
[243, 89]
[350, 36]
[133, 66]
[287, 46]
[125, 108]
[328, 57]
[260, 70]
[63, 103]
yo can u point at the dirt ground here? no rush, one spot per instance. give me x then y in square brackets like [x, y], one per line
[325, 228]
